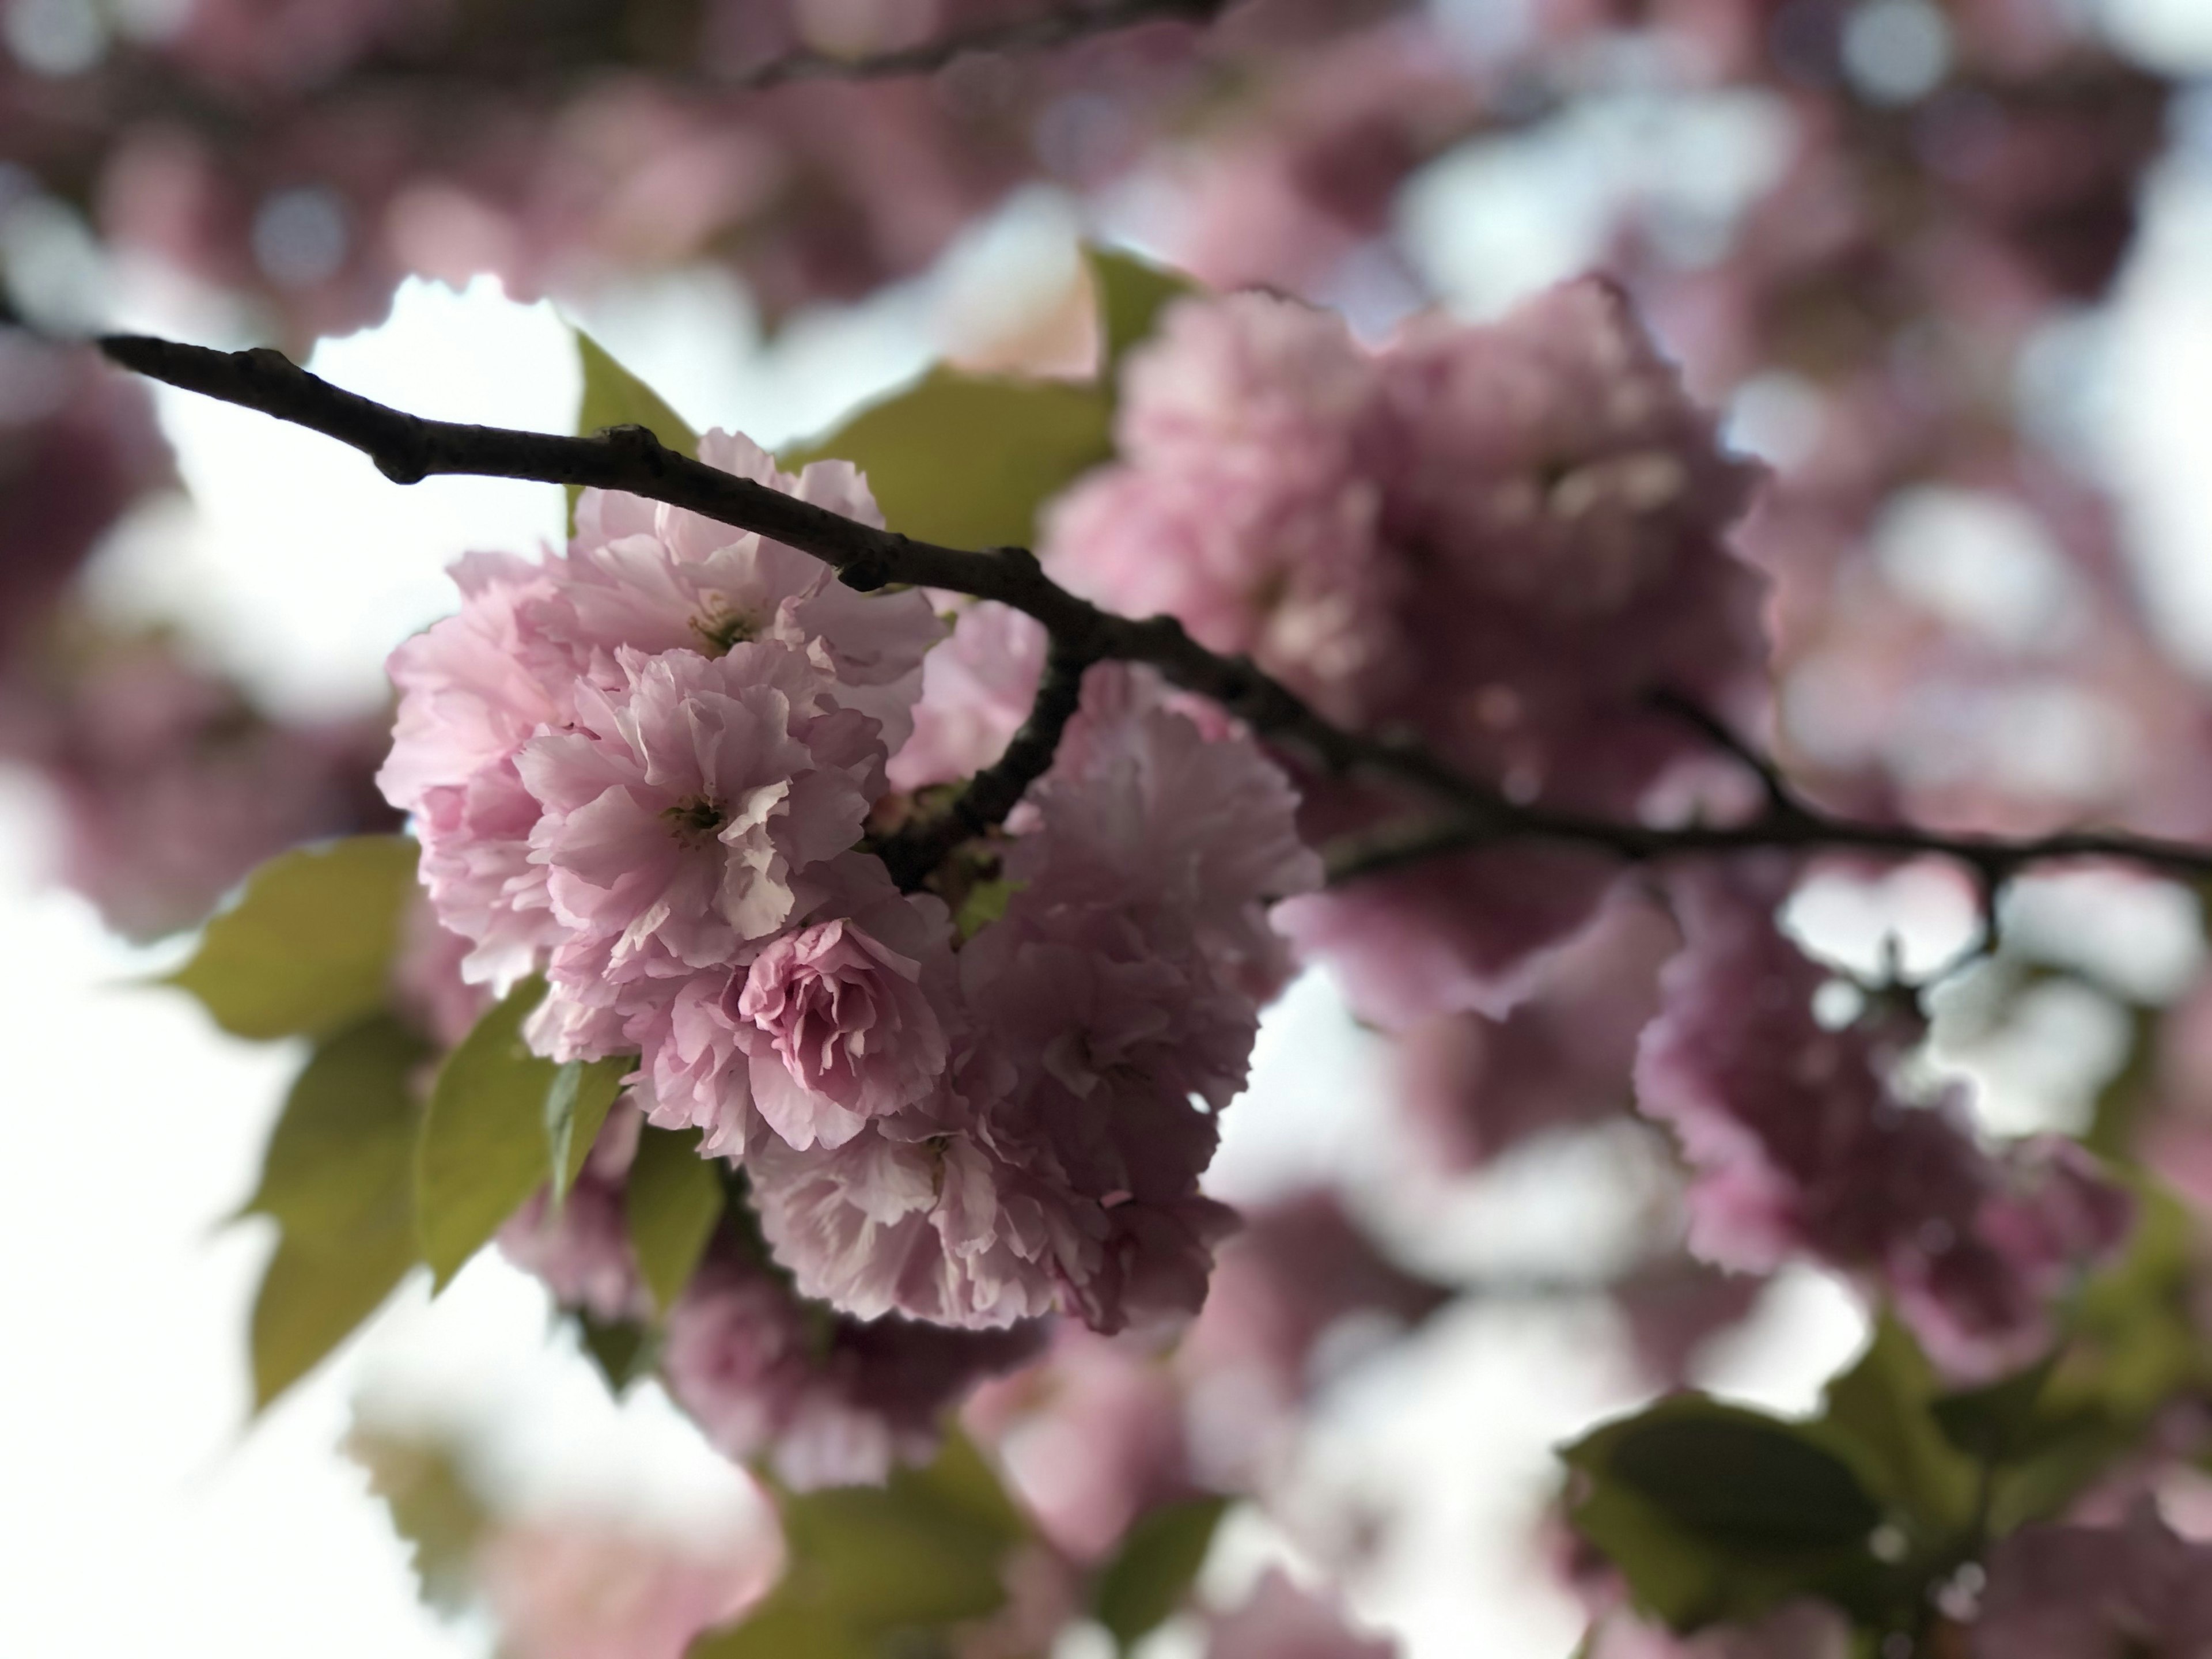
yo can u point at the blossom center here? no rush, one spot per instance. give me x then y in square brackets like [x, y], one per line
[696, 818]
[721, 625]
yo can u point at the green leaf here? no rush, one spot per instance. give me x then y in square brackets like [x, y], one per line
[1132, 293]
[672, 1202]
[1993, 1422]
[785, 1627]
[620, 1350]
[1148, 1579]
[968, 459]
[1885, 1404]
[306, 950]
[482, 1152]
[434, 1507]
[338, 1180]
[868, 1564]
[577, 1108]
[615, 396]
[1714, 1512]
[986, 903]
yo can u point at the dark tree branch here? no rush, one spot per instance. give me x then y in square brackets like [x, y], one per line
[1993, 860]
[407, 448]
[1061, 26]
[1781, 799]
[993, 793]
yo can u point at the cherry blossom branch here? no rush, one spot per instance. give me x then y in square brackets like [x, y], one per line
[407, 448]
[993, 793]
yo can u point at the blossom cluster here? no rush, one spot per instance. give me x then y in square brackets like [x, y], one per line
[645, 769]
[1807, 1140]
[1505, 540]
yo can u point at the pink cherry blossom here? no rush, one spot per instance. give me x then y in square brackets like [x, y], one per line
[830, 1404]
[1281, 1621]
[1801, 1138]
[580, 1248]
[551, 656]
[854, 1010]
[567, 1589]
[839, 1030]
[1797, 1630]
[976, 689]
[678, 812]
[427, 983]
[1244, 507]
[1109, 1019]
[2071, 1592]
[1141, 808]
[1092, 1437]
[1502, 539]
[1297, 1274]
[1473, 1088]
[658, 578]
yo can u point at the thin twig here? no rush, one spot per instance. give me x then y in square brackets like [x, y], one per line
[1781, 799]
[995, 792]
[407, 448]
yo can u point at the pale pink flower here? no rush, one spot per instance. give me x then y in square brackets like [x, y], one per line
[1243, 505]
[570, 1590]
[1297, 1276]
[468, 701]
[1801, 1138]
[1473, 1088]
[1092, 1437]
[976, 689]
[1109, 1018]
[1141, 809]
[1797, 1630]
[2063, 1592]
[940, 1229]
[580, 1248]
[839, 1031]
[679, 811]
[845, 1017]
[427, 981]
[830, 1403]
[1281, 1621]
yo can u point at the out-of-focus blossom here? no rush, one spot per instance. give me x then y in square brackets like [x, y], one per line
[1502, 539]
[2066, 1592]
[173, 787]
[1797, 1630]
[427, 988]
[77, 445]
[1801, 1138]
[564, 1589]
[1092, 1437]
[1473, 1088]
[831, 1401]
[580, 1247]
[1281, 1621]
[1672, 1306]
[1296, 1273]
